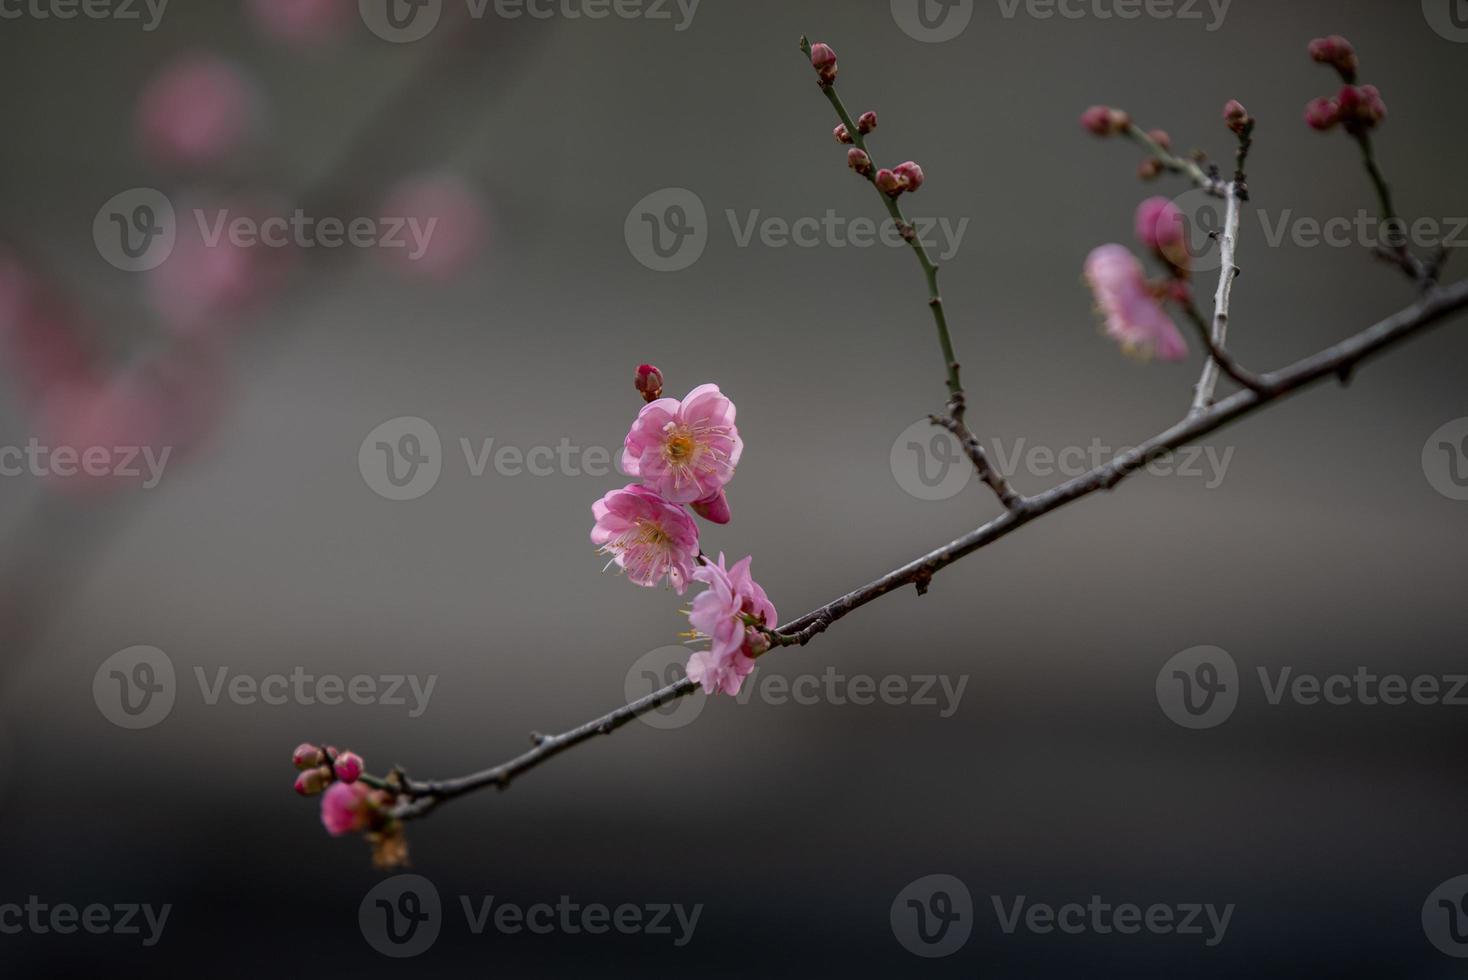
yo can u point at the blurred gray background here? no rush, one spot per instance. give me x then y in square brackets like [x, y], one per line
[1324, 549]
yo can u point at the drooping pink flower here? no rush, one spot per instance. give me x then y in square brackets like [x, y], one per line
[344, 808]
[684, 450]
[1134, 317]
[197, 112]
[646, 536]
[713, 508]
[303, 21]
[719, 613]
[1161, 229]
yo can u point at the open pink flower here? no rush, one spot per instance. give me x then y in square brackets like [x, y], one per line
[344, 808]
[719, 613]
[1134, 317]
[684, 450]
[646, 536]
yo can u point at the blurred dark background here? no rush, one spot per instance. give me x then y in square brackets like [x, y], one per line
[263, 549]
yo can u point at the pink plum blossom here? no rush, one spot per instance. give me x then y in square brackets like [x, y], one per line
[197, 112]
[719, 613]
[1134, 317]
[684, 450]
[344, 808]
[646, 536]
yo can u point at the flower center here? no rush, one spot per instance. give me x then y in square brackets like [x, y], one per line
[680, 446]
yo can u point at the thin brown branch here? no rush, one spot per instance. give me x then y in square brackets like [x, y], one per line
[419, 798]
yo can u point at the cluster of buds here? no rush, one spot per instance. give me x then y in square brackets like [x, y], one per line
[823, 60]
[900, 179]
[348, 804]
[320, 765]
[866, 124]
[1359, 108]
[649, 382]
[1103, 120]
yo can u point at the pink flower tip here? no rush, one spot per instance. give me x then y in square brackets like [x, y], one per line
[348, 767]
[713, 508]
[649, 382]
[1103, 120]
[842, 136]
[313, 781]
[823, 60]
[867, 123]
[307, 756]
[858, 160]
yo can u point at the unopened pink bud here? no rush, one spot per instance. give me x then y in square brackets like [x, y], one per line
[1105, 121]
[348, 767]
[1160, 228]
[1337, 52]
[910, 174]
[889, 183]
[867, 123]
[714, 508]
[755, 643]
[842, 136]
[307, 756]
[1361, 106]
[823, 60]
[313, 781]
[1149, 169]
[858, 160]
[1323, 114]
[1236, 116]
[1160, 137]
[649, 381]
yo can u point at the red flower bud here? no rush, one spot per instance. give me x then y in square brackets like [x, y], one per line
[842, 136]
[1361, 107]
[1337, 52]
[823, 60]
[1323, 114]
[313, 781]
[859, 161]
[889, 183]
[1149, 169]
[1236, 116]
[649, 381]
[307, 756]
[1105, 121]
[867, 122]
[1160, 137]
[910, 174]
[348, 767]
[714, 508]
